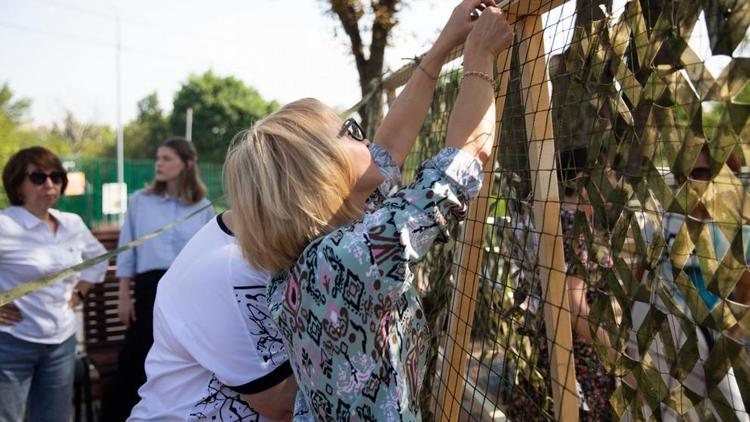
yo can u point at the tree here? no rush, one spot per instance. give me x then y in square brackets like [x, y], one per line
[12, 113]
[15, 111]
[382, 18]
[222, 107]
[81, 139]
[149, 129]
[14, 135]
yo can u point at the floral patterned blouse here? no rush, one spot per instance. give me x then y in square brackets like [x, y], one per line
[350, 318]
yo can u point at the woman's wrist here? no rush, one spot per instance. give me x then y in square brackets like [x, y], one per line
[478, 62]
[484, 76]
[440, 49]
[432, 62]
[124, 288]
[475, 55]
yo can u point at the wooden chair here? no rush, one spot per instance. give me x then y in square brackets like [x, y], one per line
[104, 334]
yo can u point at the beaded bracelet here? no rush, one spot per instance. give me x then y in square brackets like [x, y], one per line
[480, 75]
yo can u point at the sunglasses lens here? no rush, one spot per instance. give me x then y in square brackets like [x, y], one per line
[358, 135]
[354, 130]
[57, 177]
[37, 177]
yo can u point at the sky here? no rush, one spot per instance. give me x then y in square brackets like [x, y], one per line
[62, 53]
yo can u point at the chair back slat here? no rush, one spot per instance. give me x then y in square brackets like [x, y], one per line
[103, 330]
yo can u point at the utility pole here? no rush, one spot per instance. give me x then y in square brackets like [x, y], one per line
[189, 124]
[120, 141]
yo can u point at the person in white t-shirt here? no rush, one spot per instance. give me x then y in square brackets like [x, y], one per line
[217, 354]
[176, 192]
[37, 331]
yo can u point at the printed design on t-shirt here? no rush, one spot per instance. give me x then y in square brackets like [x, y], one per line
[253, 304]
[222, 404]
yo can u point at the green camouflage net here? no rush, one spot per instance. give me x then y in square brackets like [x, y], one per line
[652, 156]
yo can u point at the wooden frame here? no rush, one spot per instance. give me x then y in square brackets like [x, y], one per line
[463, 303]
[525, 15]
[538, 119]
[551, 264]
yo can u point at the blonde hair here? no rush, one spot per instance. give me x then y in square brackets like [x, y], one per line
[192, 188]
[288, 180]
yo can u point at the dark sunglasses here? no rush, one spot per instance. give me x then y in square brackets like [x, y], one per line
[353, 129]
[39, 177]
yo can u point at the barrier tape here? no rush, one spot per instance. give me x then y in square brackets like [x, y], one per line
[22, 290]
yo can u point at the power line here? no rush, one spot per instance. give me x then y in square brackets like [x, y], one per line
[98, 43]
[97, 14]
[137, 23]
[69, 37]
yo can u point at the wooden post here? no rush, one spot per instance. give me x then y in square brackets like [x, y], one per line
[551, 263]
[463, 303]
[390, 95]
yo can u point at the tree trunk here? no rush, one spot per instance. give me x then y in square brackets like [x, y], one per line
[370, 68]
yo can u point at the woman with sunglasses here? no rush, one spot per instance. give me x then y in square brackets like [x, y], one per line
[37, 331]
[312, 204]
[176, 192]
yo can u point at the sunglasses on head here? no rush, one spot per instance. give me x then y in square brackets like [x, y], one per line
[39, 177]
[353, 129]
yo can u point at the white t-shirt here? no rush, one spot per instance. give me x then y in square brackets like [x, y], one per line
[211, 331]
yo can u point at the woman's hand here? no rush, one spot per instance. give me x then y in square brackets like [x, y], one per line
[79, 293]
[10, 314]
[74, 301]
[471, 127]
[490, 35]
[125, 310]
[459, 25]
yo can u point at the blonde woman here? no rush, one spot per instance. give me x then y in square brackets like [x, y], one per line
[301, 184]
[176, 191]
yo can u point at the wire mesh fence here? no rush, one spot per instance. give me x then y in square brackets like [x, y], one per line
[603, 272]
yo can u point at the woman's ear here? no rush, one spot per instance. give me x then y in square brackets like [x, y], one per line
[190, 164]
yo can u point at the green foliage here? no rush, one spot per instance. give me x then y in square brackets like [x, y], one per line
[222, 107]
[14, 135]
[81, 139]
[149, 129]
[71, 137]
[15, 110]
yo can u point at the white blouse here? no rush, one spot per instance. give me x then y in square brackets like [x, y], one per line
[30, 250]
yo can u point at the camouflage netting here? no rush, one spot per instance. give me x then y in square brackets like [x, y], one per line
[652, 156]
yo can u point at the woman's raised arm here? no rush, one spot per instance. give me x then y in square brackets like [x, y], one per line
[471, 127]
[400, 127]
